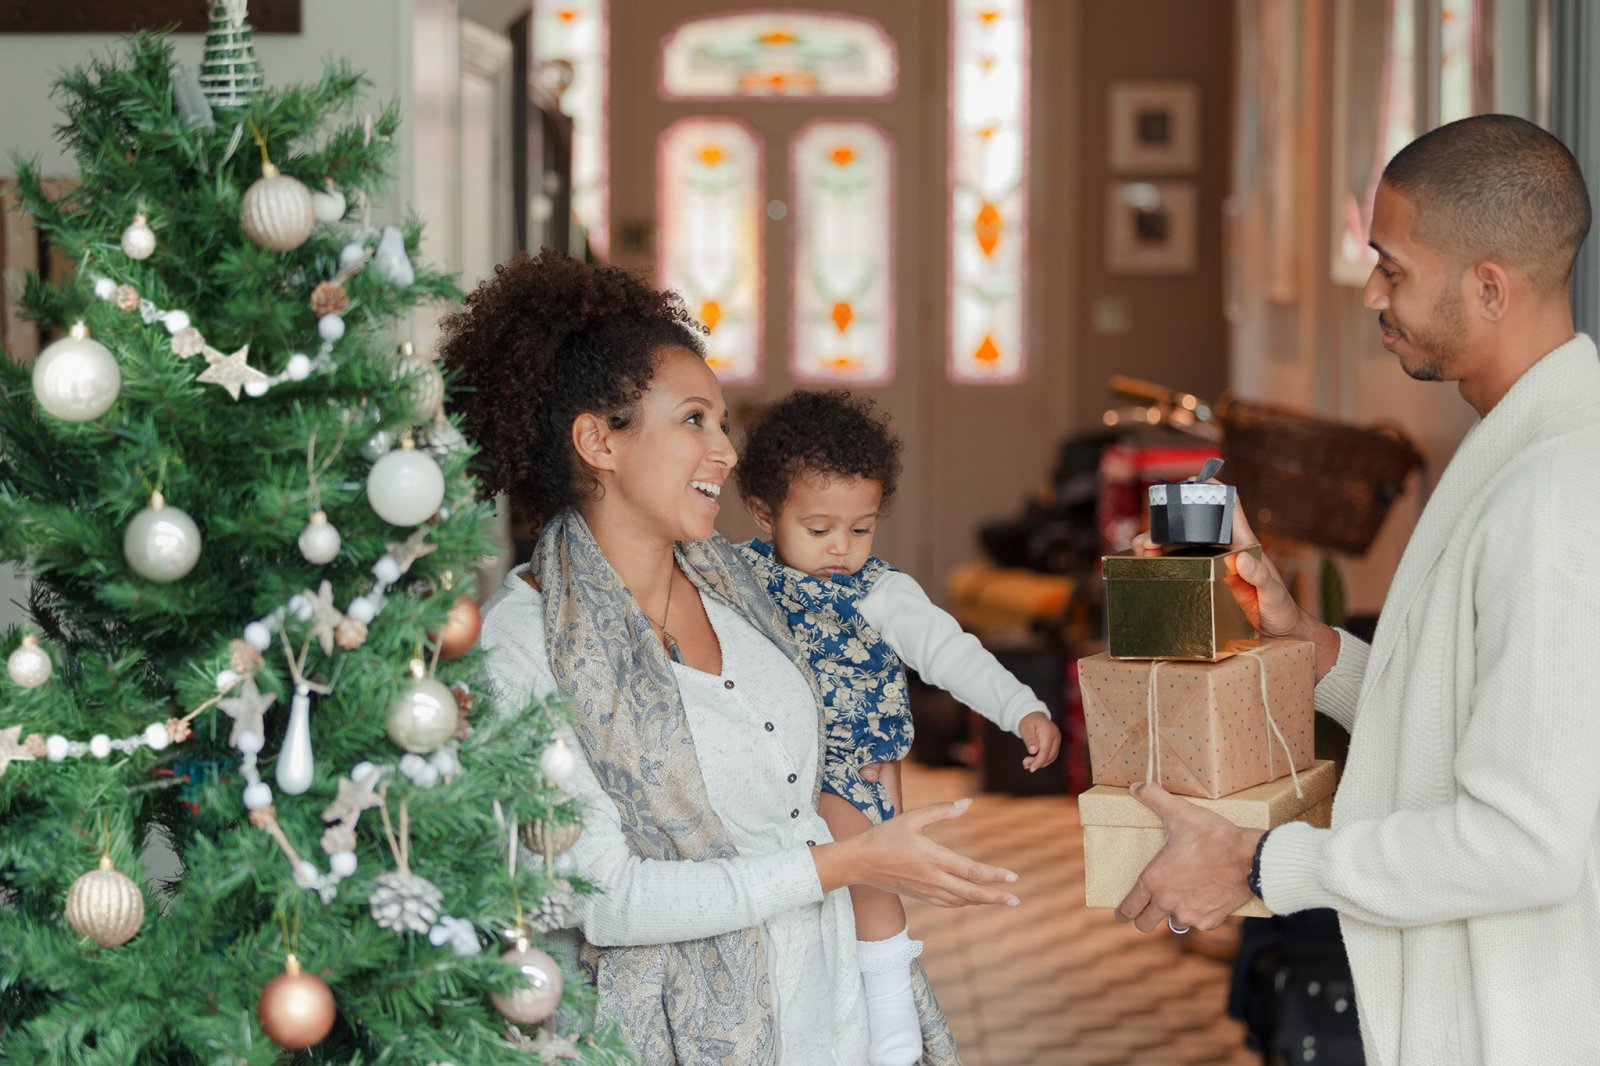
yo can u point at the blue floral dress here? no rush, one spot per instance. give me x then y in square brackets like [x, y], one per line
[862, 680]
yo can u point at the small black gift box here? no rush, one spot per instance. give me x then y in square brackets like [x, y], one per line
[1192, 512]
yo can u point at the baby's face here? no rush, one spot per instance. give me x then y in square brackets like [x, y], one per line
[826, 525]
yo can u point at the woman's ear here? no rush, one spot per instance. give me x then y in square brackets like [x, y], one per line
[761, 513]
[592, 438]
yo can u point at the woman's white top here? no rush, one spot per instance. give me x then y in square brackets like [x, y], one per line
[755, 728]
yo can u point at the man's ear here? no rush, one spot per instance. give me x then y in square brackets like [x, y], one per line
[1491, 284]
[594, 439]
[761, 513]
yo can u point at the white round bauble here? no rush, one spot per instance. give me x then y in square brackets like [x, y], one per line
[258, 636]
[77, 378]
[422, 717]
[328, 204]
[175, 321]
[342, 863]
[105, 905]
[299, 367]
[30, 665]
[319, 541]
[257, 796]
[330, 328]
[55, 747]
[162, 543]
[138, 240]
[105, 288]
[558, 764]
[276, 211]
[378, 445]
[405, 487]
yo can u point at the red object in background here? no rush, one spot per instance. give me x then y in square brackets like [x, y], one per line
[1127, 470]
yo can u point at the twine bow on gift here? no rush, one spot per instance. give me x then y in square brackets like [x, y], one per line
[1152, 764]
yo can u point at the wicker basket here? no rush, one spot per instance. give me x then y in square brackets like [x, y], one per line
[1311, 479]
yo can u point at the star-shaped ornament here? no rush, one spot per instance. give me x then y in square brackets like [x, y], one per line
[230, 371]
[354, 797]
[325, 617]
[247, 710]
[10, 748]
[406, 552]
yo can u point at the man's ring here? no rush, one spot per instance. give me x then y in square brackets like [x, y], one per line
[1174, 928]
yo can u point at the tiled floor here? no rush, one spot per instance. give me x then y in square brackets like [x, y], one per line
[1052, 982]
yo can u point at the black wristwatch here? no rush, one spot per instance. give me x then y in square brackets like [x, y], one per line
[1253, 879]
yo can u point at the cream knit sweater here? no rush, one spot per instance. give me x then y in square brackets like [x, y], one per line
[1463, 854]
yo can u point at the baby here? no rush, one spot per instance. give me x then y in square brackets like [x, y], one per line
[816, 472]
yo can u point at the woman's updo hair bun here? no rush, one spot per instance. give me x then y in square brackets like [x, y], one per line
[549, 338]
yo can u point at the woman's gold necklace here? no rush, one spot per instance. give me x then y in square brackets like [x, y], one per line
[669, 642]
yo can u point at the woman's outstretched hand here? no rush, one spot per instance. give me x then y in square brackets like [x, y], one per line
[898, 857]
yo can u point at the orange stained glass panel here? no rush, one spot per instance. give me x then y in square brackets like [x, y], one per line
[842, 315]
[987, 352]
[710, 315]
[987, 227]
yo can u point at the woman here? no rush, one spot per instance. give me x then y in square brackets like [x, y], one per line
[718, 936]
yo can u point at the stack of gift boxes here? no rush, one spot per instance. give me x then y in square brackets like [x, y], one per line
[1189, 696]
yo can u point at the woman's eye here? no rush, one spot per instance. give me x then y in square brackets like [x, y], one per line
[696, 419]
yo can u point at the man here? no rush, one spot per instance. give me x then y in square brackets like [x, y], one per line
[1463, 856]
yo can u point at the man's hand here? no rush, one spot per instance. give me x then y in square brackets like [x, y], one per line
[1043, 739]
[1198, 877]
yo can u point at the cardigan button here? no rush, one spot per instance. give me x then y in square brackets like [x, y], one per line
[727, 684]
[811, 843]
[770, 727]
[793, 778]
[795, 813]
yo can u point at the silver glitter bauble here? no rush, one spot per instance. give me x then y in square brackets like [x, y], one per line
[378, 445]
[138, 240]
[405, 487]
[105, 905]
[422, 717]
[539, 989]
[424, 384]
[29, 666]
[162, 543]
[276, 211]
[319, 541]
[404, 903]
[77, 378]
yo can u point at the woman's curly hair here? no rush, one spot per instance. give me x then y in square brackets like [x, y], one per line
[828, 433]
[547, 339]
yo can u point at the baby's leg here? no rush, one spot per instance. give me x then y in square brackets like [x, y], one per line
[884, 951]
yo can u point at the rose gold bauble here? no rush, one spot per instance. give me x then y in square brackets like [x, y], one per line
[296, 1008]
[460, 630]
[105, 906]
[540, 977]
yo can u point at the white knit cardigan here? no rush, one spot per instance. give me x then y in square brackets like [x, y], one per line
[1463, 854]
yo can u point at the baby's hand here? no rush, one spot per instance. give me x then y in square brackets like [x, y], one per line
[1043, 740]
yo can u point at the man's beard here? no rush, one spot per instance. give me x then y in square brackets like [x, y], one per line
[1441, 343]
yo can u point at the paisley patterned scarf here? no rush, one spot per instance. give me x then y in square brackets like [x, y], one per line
[695, 1002]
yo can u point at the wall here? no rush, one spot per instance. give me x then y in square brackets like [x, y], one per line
[1176, 333]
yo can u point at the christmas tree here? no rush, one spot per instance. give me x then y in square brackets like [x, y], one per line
[251, 527]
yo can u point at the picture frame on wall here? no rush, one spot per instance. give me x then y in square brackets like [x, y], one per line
[1154, 127]
[1152, 227]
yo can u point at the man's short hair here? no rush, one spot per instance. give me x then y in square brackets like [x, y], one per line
[1496, 187]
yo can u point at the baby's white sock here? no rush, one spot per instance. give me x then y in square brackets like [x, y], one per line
[891, 1011]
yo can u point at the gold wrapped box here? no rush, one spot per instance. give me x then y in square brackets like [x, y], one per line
[1121, 835]
[1186, 603]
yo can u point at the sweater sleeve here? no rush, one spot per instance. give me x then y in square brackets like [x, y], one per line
[1340, 688]
[933, 643]
[1518, 832]
[641, 901]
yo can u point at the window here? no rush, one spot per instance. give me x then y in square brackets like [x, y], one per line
[710, 249]
[783, 54]
[575, 32]
[988, 189]
[842, 325]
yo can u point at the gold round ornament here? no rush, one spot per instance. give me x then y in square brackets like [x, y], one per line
[296, 1008]
[276, 211]
[424, 381]
[422, 717]
[105, 905]
[551, 838]
[539, 993]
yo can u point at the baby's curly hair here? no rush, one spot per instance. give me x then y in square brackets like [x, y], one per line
[829, 433]
[549, 338]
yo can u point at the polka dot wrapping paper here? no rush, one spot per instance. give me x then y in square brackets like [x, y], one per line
[1211, 727]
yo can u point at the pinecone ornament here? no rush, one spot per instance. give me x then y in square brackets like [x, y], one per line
[403, 902]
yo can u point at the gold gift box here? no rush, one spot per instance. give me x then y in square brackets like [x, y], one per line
[1186, 603]
[1121, 835]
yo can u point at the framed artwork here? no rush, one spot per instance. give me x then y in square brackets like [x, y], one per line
[1154, 127]
[119, 16]
[1151, 227]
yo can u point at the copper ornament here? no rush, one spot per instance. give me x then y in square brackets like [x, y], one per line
[296, 1008]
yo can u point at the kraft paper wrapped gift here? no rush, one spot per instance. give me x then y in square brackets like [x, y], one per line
[1185, 603]
[1210, 722]
[1121, 835]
